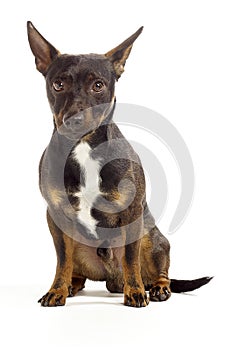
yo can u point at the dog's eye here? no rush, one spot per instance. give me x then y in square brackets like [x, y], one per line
[98, 86]
[58, 85]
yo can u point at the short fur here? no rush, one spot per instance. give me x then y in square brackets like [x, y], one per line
[80, 90]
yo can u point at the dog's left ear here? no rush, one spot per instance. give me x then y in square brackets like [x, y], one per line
[119, 54]
[43, 51]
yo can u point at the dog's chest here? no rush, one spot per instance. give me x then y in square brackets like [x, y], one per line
[88, 193]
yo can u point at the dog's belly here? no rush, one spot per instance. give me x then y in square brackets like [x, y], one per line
[90, 191]
[88, 264]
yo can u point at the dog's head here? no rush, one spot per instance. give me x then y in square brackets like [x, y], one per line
[80, 88]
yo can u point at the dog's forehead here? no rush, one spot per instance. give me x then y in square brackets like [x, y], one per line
[81, 64]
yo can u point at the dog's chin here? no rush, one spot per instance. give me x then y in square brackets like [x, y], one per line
[74, 135]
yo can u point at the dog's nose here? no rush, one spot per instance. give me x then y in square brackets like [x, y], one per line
[73, 122]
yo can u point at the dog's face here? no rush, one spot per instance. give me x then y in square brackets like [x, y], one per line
[80, 88]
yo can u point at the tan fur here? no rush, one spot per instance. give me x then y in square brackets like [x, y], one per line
[56, 197]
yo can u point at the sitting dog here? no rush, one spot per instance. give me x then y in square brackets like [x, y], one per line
[94, 184]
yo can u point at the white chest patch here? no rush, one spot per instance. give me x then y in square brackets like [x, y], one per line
[90, 191]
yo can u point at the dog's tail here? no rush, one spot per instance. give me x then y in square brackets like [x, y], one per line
[181, 286]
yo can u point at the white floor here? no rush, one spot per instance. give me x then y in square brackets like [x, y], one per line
[98, 319]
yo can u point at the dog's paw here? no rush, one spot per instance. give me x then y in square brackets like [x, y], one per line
[159, 292]
[55, 297]
[135, 297]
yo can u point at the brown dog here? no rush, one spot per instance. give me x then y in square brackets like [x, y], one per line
[94, 184]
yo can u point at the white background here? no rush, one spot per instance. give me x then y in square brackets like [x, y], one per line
[184, 66]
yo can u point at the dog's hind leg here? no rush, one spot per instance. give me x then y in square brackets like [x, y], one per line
[155, 265]
[78, 283]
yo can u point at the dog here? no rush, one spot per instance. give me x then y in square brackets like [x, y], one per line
[94, 185]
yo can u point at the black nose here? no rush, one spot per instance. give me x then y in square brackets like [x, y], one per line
[73, 122]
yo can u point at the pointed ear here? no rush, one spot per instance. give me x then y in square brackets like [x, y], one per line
[43, 51]
[119, 54]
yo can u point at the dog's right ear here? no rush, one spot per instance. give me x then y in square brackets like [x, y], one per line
[119, 54]
[43, 51]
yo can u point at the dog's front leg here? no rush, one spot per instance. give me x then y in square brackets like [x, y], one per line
[134, 291]
[61, 286]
